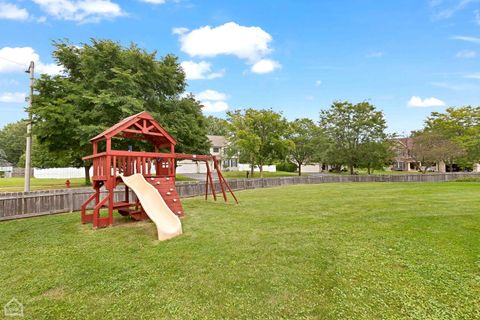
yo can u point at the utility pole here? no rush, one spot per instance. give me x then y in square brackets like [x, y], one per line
[28, 151]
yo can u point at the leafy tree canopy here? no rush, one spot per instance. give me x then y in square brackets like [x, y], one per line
[103, 83]
[461, 125]
[217, 126]
[430, 147]
[259, 136]
[13, 141]
[349, 127]
[308, 142]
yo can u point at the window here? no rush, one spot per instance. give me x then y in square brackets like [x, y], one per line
[216, 149]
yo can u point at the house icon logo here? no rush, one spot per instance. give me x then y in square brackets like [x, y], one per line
[13, 308]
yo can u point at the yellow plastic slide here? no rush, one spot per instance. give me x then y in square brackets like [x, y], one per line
[168, 224]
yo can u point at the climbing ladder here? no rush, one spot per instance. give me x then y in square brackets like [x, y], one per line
[166, 187]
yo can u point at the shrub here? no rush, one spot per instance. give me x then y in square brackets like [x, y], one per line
[286, 166]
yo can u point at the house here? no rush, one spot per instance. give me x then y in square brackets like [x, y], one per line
[6, 169]
[404, 160]
[219, 149]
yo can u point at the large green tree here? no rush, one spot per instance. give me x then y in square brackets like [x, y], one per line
[461, 126]
[376, 154]
[349, 127]
[258, 136]
[13, 140]
[104, 82]
[431, 147]
[217, 126]
[308, 142]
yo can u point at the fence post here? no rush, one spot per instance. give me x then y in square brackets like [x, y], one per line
[70, 199]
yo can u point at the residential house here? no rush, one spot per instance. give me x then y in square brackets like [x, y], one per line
[218, 149]
[404, 160]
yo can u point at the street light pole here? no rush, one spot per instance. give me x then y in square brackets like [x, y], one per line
[28, 151]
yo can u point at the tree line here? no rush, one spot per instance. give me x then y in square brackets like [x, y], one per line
[346, 134]
[104, 82]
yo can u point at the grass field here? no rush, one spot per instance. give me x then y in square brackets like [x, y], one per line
[243, 174]
[16, 184]
[331, 251]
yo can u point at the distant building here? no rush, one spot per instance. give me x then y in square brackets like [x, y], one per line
[219, 149]
[6, 169]
[404, 160]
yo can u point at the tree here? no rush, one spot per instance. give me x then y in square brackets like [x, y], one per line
[431, 147]
[348, 127]
[13, 141]
[259, 136]
[307, 139]
[461, 126]
[375, 155]
[217, 126]
[103, 83]
[43, 158]
[3, 159]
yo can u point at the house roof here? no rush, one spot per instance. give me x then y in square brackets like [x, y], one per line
[217, 141]
[143, 124]
[406, 142]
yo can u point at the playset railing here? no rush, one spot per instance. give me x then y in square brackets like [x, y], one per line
[127, 163]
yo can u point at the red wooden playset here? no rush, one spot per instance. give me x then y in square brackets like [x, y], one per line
[157, 167]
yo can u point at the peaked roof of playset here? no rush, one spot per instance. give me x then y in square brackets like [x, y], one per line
[136, 126]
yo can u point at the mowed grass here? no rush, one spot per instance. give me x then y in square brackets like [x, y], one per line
[256, 174]
[329, 251]
[17, 184]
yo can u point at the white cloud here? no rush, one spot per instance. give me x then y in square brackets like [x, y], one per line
[12, 12]
[179, 30]
[18, 59]
[476, 14]
[249, 43]
[213, 101]
[473, 76]
[211, 95]
[466, 54]
[81, 10]
[309, 98]
[12, 97]
[374, 54]
[318, 83]
[214, 106]
[449, 11]
[417, 102]
[467, 39]
[200, 70]
[265, 66]
[153, 1]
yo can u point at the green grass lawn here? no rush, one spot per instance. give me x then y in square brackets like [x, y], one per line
[362, 171]
[16, 184]
[243, 174]
[329, 251]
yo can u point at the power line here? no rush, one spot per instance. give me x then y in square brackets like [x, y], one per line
[20, 64]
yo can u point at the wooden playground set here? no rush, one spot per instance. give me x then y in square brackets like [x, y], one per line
[157, 167]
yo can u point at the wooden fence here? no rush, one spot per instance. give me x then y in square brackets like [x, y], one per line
[14, 205]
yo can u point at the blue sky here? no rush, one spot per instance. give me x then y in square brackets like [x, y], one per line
[408, 57]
